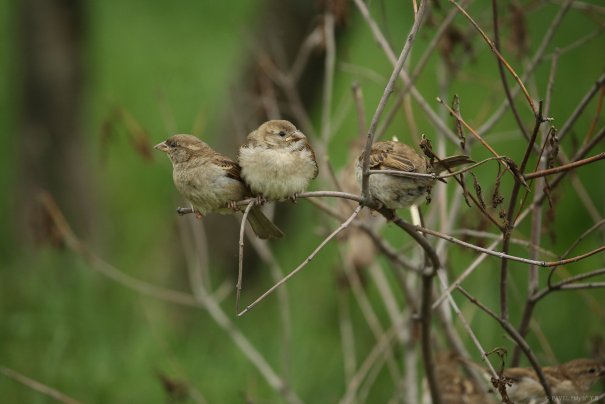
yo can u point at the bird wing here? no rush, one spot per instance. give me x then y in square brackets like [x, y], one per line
[386, 156]
[310, 149]
[231, 167]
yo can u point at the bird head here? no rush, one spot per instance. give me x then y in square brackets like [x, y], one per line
[278, 134]
[181, 148]
[584, 372]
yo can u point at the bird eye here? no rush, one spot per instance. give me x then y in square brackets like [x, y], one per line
[282, 133]
[592, 370]
[171, 143]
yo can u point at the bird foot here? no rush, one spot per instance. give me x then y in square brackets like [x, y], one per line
[184, 211]
[293, 198]
[233, 206]
[198, 214]
[260, 200]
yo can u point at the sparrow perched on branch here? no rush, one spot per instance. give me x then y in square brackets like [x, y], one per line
[454, 386]
[277, 161]
[211, 182]
[569, 380]
[399, 192]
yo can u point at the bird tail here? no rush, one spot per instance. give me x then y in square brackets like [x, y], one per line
[262, 226]
[451, 162]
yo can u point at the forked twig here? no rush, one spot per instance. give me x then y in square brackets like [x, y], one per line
[343, 226]
[385, 96]
[240, 270]
[496, 52]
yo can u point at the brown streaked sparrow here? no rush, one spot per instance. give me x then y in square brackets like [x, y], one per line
[455, 387]
[568, 381]
[399, 192]
[277, 161]
[211, 181]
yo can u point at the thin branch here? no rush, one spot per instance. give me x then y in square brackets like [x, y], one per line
[328, 25]
[433, 176]
[202, 299]
[240, 267]
[37, 386]
[510, 330]
[581, 106]
[361, 116]
[369, 314]
[387, 249]
[501, 58]
[579, 42]
[565, 167]
[544, 264]
[385, 96]
[428, 51]
[465, 323]
[509, 97]
[566, 282]
[510, 214]
[304, 263]
[468, 127]
[493, 236]
[425, 302]
[546, 38]
[465, 274]
[377, 352]
[266, 255]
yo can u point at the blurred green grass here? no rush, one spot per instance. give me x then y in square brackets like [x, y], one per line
[74, 330]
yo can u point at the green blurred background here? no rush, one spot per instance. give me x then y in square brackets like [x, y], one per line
[154, 68]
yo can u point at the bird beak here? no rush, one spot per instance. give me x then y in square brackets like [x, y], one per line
[161, 147]
[298, 135]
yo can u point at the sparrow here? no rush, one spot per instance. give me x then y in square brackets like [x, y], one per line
[277, 161]
[396, 192]
[211, 182]
[455, 387]
[569, 380]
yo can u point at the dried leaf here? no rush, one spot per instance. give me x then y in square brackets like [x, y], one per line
[514, 169]
[139, 137]
[338, 8]
[176, 390]
[427, 149]
[459, 128]
[519, 39]
[497, 198]
[452, 40]
[553, 148]
[478, 192]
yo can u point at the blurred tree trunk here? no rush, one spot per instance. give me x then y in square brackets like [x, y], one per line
[53, 153]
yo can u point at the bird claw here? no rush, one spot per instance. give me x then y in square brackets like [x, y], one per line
[183, 211]
[198, 214]
[293, 198]
[232, 205]
[260, 200]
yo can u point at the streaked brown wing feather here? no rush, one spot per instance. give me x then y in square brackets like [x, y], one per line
[390, 156]
[308, 147]
[231, 167]
[395, 161]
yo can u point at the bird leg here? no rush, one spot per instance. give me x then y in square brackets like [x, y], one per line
[184, 211]
[198, 214]
[233, 206]
[260, 200]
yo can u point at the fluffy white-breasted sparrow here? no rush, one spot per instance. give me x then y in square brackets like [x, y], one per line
[277, 161]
